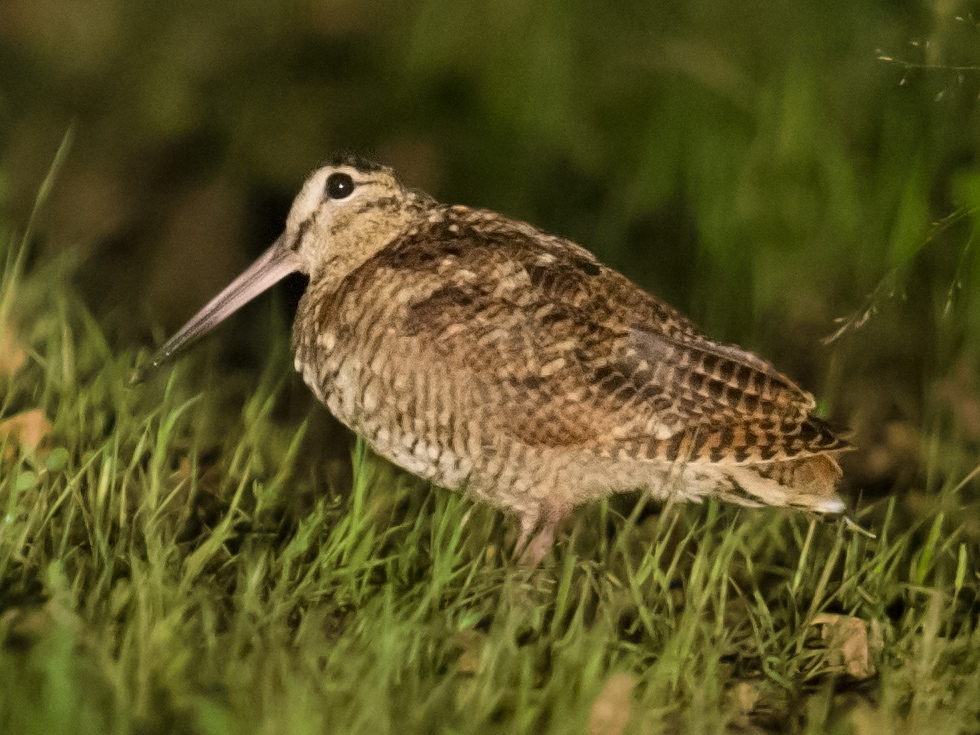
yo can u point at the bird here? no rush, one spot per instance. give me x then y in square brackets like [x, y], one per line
[495, 359]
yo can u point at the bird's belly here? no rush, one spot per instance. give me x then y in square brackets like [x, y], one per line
[401, 417]
[423, 458]
[428, 424]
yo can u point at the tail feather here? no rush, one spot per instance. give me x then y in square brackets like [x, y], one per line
[808, 482]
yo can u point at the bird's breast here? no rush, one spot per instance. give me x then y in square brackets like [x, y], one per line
[402, 404]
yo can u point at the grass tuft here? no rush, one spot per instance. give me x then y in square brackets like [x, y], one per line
[156, 576]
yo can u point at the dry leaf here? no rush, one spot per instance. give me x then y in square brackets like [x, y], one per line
[866, 720]
[12, 356]
[611, 710]
[959, 392]
[28, 429]
[850, 643]
[471, 642]
[744, 696]
[25, 626]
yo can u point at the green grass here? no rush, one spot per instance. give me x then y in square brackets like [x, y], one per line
[172, 560]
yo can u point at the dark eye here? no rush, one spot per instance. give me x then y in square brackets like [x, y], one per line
[339, 186]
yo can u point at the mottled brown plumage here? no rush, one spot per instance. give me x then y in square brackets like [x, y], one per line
[496, 359]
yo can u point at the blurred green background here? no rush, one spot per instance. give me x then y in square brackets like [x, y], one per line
[760, 165]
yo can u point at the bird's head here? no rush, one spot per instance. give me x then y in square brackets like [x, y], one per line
[347, 210]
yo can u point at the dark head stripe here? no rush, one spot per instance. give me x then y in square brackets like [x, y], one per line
[348, 158]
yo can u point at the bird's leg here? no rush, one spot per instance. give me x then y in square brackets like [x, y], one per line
[540, 545]
[536, 549]
[529, 521]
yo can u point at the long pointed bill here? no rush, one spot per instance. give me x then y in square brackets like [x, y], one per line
[271, 267]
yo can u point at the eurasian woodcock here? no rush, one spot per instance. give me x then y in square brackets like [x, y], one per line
[495, 359]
